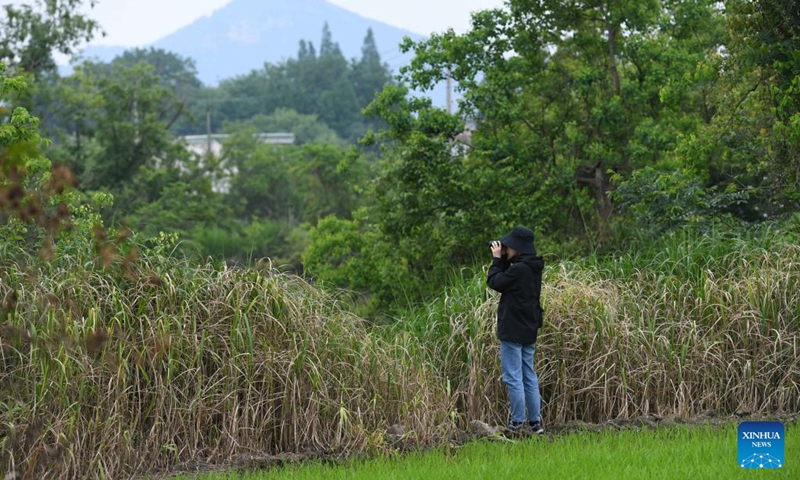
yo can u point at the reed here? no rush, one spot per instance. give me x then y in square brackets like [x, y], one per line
[700, 324]
[105, 375]
[111, 369]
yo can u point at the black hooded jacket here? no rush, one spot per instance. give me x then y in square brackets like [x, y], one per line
[519, 314]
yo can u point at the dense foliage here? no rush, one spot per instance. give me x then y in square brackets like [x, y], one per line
[319, 81]
[117, 126]
[598, 124]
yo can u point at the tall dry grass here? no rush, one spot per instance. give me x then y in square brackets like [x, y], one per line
[105, 375]
[148, 365]
[680, 339]
[704, 325]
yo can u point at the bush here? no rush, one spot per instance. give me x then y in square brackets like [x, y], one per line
[349, 255]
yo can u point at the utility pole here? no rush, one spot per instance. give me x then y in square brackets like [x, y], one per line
[208, 130]
[449, 92]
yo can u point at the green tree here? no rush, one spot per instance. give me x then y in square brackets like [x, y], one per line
[292, 183]
[425, 197]
[32, 190]
[64, 114]
[31, 34]
[178, 75]
[326, 178]
[173, 69]
[352, 254]
[563, 95]
[369, 75]
[113, 122]
[245, 96]
[306, 128]
[126, 125]
[321, 83]
[336, 99]
[565, 100]
[262, 187]
[753, 143]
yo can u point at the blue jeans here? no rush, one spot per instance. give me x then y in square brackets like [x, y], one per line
[516, 362]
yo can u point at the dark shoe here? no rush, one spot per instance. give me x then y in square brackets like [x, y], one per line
[514, 429]
[516, 426]
[536, 427]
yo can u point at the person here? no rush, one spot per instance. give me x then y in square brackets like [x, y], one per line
[516, 272]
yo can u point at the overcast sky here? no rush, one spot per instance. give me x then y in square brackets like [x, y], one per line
[131, 23]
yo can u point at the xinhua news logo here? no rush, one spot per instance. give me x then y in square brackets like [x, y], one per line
[761, 445]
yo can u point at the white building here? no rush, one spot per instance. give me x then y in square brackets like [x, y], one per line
[199, 144]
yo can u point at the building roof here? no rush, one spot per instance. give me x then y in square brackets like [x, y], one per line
[281, 138]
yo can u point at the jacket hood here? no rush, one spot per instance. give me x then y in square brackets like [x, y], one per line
[536, 263]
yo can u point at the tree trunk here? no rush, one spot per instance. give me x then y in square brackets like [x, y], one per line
[594, 177]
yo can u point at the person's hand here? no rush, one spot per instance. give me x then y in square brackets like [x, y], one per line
[497, 249]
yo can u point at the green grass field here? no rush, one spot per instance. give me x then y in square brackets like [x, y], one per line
[666, 453]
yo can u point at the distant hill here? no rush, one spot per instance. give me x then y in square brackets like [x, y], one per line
[245, 34]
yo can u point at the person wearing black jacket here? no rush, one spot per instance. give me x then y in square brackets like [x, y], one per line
[516, 272]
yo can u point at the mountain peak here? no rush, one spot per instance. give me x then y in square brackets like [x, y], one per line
[243, 35]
